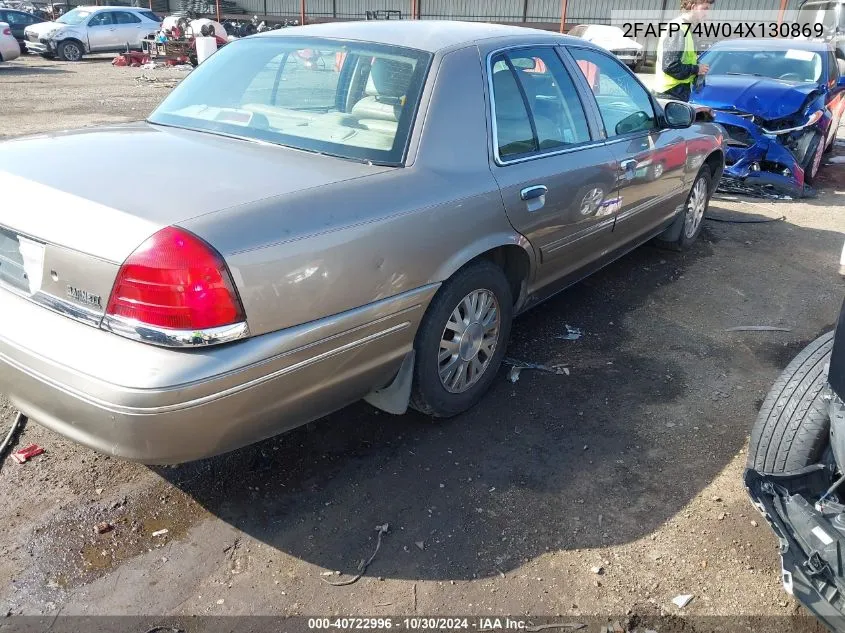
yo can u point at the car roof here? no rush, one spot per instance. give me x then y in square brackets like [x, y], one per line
[774, 44]
[426, 35]
[93, 9]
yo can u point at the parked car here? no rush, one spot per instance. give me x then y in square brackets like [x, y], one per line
[780, 102]
[368, 234]
[9, 48]
[86, 30]
[18, 21]
[612, 38]
[830, 14]
[796, 459]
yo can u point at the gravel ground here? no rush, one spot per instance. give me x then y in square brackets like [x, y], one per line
[632, 463]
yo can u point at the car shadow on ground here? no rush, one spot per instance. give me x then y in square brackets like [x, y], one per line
[19, 69]
[599, 457]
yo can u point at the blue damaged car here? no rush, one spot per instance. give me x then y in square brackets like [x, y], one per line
[780, 102]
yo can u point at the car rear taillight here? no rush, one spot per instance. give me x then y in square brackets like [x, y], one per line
[175, 280]
[7, 31]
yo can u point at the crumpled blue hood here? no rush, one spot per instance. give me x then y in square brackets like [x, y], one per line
[767, 98]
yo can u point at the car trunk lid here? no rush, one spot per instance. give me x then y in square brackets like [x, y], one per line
[77, 204]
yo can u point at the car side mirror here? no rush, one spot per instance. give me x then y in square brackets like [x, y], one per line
[678, 115]
[841, 82]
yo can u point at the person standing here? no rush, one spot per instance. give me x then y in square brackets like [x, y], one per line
[677, 60]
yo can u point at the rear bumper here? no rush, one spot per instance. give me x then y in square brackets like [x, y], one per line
[157, 405]
[9, 49]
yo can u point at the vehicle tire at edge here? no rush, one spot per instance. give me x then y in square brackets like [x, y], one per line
[428, 395]
[792, 429]
[812, 160]
[675, 237]
[64, 47]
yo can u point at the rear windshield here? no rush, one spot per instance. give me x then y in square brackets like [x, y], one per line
[352, 100]
[793, 65]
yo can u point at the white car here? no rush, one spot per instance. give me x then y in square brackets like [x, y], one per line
[612, 38]
[92, 30]
[9, 47]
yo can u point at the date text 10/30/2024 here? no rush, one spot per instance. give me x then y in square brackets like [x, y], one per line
[419, 624]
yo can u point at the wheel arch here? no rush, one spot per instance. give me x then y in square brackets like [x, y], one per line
[72, 39]
[716, 162]
[511, 252]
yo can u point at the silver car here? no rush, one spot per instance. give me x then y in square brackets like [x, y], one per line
[377, 201]
[86, 30]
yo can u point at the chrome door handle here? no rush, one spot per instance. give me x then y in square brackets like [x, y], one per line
[530, 193]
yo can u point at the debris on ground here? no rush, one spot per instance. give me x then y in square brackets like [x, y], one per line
[570, 626]
[517, 367]
[758, 328]
[682, 600]
[420, 545]
[597, 569]
[103, 527]
[26, 453]
[160, 532]
[572, 334]
[717, 218]
[362, 567]
[17, 425]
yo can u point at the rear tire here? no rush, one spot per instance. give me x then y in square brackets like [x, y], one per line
[465, 336]
[792, 429]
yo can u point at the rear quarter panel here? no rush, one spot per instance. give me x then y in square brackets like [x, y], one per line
[323, 251]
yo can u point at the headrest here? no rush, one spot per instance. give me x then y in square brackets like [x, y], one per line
[389, 78]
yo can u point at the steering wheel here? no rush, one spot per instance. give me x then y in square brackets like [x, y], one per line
[790, 77]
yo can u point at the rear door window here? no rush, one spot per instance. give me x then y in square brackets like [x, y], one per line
[124, 17]
[536, 104]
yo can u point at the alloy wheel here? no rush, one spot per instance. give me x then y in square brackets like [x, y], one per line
[695, 208]
[72, 53]
[469, 341]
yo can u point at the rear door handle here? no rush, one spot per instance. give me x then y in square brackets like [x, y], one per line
[536, 191]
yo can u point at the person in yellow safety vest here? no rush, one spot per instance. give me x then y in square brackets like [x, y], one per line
[677, 60]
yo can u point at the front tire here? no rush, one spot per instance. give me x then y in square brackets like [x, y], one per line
[687, 227]
[462, 340]
[70, 51]
[792, 429]
[813, 158]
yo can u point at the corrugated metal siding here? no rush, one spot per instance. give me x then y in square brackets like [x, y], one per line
[543, 11]
[478, 10]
